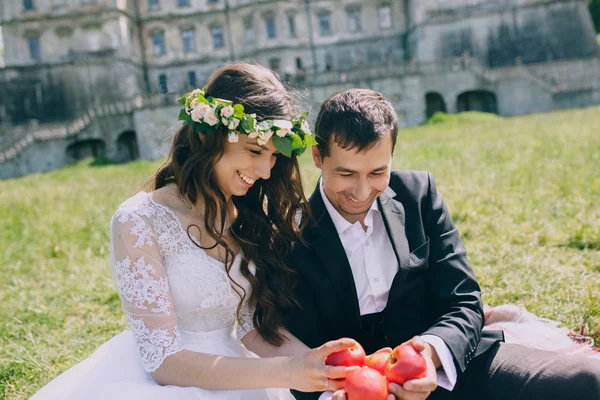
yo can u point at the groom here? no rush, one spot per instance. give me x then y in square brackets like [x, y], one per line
[384, 264]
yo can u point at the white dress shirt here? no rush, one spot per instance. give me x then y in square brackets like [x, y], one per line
[374, 264]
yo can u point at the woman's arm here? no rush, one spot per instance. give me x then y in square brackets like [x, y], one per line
[256, 344]
[146, 299]
[306, 372]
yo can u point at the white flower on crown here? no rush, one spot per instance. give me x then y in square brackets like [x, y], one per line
[194, 103]
[253, 135]
[264, 136]
[195, 93]
[285, 127]
[196, 115]
[282, 123]
[203, 108]
[234, 123]
[283, 132]
[233, 137]
[225, 121]
[210, 117]
[306, 128]
[227, 111]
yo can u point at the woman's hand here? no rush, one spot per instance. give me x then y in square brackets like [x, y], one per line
[308, 372]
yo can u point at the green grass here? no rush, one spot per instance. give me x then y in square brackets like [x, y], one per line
[524, 192]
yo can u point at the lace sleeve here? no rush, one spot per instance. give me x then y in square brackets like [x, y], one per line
[143, 287]
[245, 322]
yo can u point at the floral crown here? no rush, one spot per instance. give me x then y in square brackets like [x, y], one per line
[207, 114]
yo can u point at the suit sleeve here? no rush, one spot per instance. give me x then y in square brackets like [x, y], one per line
[456, 293]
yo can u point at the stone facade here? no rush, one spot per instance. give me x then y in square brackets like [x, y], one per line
[84, 77]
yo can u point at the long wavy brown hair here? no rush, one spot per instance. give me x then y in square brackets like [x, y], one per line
[266, 223]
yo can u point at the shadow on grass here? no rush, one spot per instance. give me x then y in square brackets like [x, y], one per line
[103, 162]
[582, 244]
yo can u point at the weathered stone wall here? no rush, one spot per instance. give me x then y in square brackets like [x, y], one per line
[154, 128]
[508, 35]
[525, 56]
[65, 91]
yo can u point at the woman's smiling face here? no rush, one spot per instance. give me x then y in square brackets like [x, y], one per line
[242, 164]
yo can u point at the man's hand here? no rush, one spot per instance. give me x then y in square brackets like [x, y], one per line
[418, 389]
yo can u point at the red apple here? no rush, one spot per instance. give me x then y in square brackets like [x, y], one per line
[353, 356]
[378, 360]
[405, 363]
[366, 384]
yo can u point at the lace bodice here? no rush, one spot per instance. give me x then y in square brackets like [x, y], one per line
[166, 283]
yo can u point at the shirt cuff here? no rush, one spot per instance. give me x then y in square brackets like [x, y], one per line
[446, 375]
[326, 395]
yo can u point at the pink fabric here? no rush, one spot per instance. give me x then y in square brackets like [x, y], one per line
[522, 327]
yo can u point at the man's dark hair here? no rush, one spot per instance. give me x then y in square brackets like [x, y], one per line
[357, 119]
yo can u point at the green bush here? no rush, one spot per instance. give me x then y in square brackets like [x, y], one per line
[467, 117]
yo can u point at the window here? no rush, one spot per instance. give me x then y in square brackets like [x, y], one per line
[384, 14]
[217, 34]
[324, 26]
[162, 83]
[212, 1]
[192, 79]
[249, 30]
[328, 61]
[158, 43]
[271, 31]
[354, 24]
[183, 3]
[28, 5]
[189, 43]
[299, 63]
[153, 4]
[292, 25]
[34, 48]
[275, 64]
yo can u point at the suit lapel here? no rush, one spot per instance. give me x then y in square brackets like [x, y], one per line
[327, 245]
[394, 219]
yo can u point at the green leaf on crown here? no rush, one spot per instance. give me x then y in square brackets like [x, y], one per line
[297, 143]
[206, 128]
[284, 145]
[309, 140]
[248, 123]
[182, 115]
[238, 111]
[182, 99]
[202, 99]
[265, 125]
[188, 121]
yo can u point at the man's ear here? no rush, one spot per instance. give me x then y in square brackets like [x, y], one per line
[316, 154]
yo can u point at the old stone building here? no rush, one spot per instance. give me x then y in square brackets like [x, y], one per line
[99, 77]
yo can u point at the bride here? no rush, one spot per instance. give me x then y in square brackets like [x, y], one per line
[199, 260]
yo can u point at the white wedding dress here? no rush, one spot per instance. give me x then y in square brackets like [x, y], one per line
[176, 298]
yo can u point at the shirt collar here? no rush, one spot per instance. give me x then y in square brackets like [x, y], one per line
[340, 223]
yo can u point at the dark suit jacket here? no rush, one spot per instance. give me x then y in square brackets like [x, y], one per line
[434, 291]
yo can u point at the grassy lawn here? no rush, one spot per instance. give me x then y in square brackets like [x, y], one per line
[524, 192]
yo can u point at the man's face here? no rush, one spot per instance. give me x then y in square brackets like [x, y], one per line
[352, 180]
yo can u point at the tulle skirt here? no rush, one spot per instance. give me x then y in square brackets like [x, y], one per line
[115, 372]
